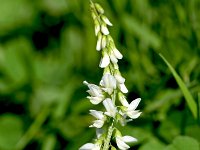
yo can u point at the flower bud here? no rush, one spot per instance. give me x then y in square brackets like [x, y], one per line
[122, 99]
[104, 29]
[99, 8]
[99, 39]
[96, 27]
[104, 40]
[105, 60]
[106, 20]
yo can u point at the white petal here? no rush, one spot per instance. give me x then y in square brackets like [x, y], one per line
[98, 123]
[85, 82]
[104, 29]
[95, 100]
[117, 53]
[97, 114]
[123, 88]
[113, 58]
[134, 104]
[110, 108]
[109, 82]
[94, 90]
[106, 20]
[129, 139]
[119, 78]
[133, 114]
[99, 39]
[121, 144]
[104, 61]
[87, 146]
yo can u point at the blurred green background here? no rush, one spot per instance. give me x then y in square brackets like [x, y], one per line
[47, 49]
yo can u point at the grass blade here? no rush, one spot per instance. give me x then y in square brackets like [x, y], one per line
[188, 97]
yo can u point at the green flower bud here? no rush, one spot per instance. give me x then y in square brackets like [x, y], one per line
[99, 8]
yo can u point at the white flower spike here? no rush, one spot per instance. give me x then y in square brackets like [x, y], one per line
[110, 90]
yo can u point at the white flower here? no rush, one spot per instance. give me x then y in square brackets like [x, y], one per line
[106, 20]
[130, 108]
[94, 90]
[123, 88]
[105, 60]
[121, 142]
[104, 29]
[110, 108]
[99, 39]
[90, 146]
[103, 43]
[100, 118]
[96, 27]
[131, 112]
[96, 93]
[108, 82]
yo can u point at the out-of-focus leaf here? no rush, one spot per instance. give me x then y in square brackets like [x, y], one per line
[171, 128]
[16, 63]
[10, 131]
[15, 14]
[55, 8]
[153, 144]
[183, 143]
[189, 99]
[146, 35]
[193, 131]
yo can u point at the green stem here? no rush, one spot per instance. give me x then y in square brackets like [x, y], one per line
[27, 137]
[108, 138]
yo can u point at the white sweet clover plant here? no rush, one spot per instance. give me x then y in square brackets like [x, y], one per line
[110, 90]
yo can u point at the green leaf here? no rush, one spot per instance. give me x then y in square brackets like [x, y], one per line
[183, 143]
[10, 131]
[190, 101]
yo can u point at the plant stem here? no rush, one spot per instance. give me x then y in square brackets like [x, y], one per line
[108, 138]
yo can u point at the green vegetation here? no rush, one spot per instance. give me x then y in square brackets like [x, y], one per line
[47, 49]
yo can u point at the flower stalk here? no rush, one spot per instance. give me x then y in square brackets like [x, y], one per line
[110, 90]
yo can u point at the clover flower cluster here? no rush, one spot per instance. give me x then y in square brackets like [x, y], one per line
[110, 90]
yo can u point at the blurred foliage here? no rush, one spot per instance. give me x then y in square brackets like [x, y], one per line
[47, 49]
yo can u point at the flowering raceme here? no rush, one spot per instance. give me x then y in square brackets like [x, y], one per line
[110, 89]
